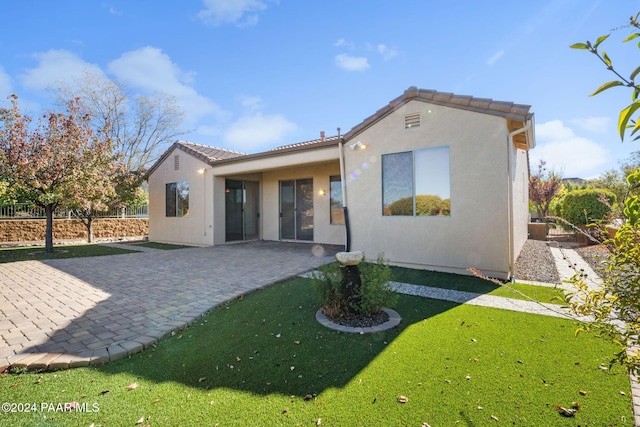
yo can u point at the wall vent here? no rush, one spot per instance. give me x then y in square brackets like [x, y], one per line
[412, 120]
[176, 162]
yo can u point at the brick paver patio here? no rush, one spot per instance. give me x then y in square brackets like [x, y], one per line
[66, 313]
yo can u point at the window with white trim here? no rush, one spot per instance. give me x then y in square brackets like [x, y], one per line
[416, 183]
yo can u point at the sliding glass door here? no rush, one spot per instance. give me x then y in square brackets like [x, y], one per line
[296, 209]
[241, 210]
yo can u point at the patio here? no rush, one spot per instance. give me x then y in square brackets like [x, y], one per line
[66, 313]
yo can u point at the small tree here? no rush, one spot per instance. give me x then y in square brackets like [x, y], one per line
[49, 164]
[544, 185]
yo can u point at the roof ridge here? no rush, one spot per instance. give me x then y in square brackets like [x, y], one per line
[182, 142]
[309, 142]
[506, 109]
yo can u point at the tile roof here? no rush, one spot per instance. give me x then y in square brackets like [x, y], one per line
[207, 153]
[505, 109]
[306, 143]
[517, 115]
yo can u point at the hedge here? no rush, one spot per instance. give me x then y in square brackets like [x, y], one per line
[581, 207]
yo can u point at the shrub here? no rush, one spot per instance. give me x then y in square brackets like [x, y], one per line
[375, 291]
[581, 207]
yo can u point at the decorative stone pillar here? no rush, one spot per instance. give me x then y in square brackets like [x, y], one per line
[350, 274]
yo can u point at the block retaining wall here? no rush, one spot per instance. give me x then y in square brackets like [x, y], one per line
[33, 230]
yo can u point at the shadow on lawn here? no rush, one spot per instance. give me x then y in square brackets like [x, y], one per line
[270, 343]
[267, 342]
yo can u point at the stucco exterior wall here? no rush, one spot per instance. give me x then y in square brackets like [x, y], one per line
[195, 228]
[476, 232]
[520, 180]
[323, 231]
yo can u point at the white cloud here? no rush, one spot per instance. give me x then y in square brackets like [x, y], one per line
[352, 63]
[151, 70]
[386, 52]
[5, 85]
[56, 67]
[496, 56]
[564, 151]
[254, 132]
[593, 124]
[251, 103]
[240, 12]
[344, 43]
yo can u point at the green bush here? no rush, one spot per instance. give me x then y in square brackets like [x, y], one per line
[581, 207]
[375, 292]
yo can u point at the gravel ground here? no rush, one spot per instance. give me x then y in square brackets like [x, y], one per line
[536, 263]
[593, 255]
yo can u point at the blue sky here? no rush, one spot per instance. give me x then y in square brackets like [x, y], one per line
[254, 74]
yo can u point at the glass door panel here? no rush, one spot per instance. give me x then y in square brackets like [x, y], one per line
[304, 209]
[233, 210]
[287, 211]
[251, 213]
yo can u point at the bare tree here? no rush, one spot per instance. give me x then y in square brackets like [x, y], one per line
[140, 126]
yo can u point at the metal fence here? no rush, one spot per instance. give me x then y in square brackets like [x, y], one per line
[29, 211]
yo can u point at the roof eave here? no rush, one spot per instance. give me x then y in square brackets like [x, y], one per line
[280, 152]
[508, 110]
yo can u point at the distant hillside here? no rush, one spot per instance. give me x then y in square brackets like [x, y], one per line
[574, 181]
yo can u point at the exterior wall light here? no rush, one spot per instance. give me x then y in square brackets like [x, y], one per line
[322, 192]
[358, 144]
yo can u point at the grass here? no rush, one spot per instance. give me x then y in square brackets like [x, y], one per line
[546, 294]
[253, 361]
[163, 246]
[59, 251]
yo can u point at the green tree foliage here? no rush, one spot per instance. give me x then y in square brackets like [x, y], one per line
[616, 180]
[59, 162]
[582, 207]
[614, 305]
[375, 291]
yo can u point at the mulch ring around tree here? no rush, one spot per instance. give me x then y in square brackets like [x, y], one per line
[385, 319]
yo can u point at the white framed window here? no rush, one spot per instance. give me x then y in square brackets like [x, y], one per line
[416, 183]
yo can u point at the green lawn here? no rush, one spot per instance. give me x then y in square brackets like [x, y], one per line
[253, 361]
[458, 282]
[59, 251]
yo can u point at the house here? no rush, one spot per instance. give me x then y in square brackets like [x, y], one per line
[432, 180]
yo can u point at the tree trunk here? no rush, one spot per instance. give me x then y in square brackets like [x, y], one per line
[89, 225]
[48, 238]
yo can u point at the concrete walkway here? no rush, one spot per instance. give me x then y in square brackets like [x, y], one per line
[66, 313]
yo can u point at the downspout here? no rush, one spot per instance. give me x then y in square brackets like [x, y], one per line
[510, 257]
[343, 183]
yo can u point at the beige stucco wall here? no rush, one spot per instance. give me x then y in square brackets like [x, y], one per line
[197, 227]
[520, 185]
[205, 224]
[323, 231]
[476, 233]
[269, 224]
